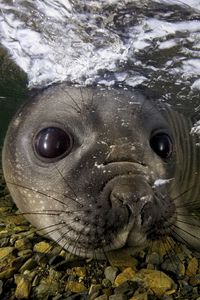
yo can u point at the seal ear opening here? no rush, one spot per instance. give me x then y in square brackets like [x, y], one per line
[162, 145]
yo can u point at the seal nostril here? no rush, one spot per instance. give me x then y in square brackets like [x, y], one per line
[150, 214]
[117, 198]
[120, 201]
[121, 197]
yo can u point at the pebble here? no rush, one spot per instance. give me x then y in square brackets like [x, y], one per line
[118, 297]
[18, 220]
[36, 280]
[127, 288]
[23, 244]
[48, 286]
[23, 287]
[94, 291]
[75, 287]
[8, 273]
[154, 259]
[111, 273]
[62, 266]
[106, 283]
[26, 252]
[18, 262]
[4, 241]
[42, 247]
[55, 260]
[192, 267]
[5, 251]
[79, 271]
[157, 281]
[186, 289]
[142, 296]
[30, 264]
[195, 280]
[127, 274]
[122, 258]
[40, 258]
[174, 265]
[102, 297]
[163, 247]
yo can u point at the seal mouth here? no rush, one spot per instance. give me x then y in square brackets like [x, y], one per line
[123, 166]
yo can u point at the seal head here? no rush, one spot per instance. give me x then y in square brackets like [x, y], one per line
[83, 165]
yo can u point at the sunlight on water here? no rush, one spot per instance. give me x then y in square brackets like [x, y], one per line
[131, 42]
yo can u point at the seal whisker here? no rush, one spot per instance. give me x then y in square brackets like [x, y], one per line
[74, 249]
[172, 254]
[185, 231]
[78, 108]
[45, 213]
[82, 98]
[97, 267]
[68, 186]
[175, 233]
[182, 194]
[36, 230]
[189, 223]
[50, 212]
[62, 237]
[188, 214]
[57, 241]
[54, 242]
[189, 205]
[47, 227]
[92, 98]
[39, 192]
[51, 231]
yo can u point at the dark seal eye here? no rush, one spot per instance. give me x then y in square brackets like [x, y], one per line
[52, 143]
[161, 144]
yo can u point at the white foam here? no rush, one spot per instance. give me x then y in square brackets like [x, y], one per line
[53, 40]
[196, 128]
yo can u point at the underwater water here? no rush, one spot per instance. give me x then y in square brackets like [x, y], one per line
[13, 86]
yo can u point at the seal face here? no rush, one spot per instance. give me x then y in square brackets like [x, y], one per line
[85, 167]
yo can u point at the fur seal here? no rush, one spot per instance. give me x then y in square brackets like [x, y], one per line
[98, 169]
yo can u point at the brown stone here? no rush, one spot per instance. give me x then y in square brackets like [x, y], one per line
[192, 267]
[127, 274]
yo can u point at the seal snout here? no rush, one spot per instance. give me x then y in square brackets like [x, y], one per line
[126, 194]
[121, 197]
